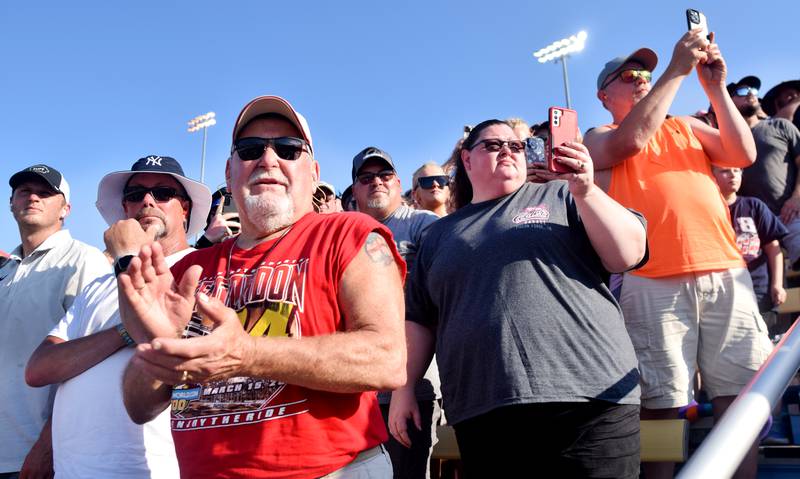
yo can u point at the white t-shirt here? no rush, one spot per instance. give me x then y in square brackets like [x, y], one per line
[92, 433]
[35, 292]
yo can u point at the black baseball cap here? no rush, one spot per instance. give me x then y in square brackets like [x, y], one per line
[50, 175]
[750, 80]
[371, 153]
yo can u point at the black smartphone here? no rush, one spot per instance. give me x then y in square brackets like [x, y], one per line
[696, 19]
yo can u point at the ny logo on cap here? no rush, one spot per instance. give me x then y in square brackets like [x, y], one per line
[153, 160]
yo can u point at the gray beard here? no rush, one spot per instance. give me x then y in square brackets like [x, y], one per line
[161, 231]
[378, 203]
[269, 216]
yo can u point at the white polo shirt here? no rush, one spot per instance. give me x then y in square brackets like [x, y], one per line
[35, 292]
[92, 433]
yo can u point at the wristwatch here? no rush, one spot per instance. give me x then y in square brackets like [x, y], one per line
[123, 333]
[121, 265]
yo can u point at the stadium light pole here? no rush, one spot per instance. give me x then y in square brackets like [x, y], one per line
[560, 50]
[202, 122]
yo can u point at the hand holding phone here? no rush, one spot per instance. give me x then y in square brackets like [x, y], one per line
[696, 19]
[563, 129]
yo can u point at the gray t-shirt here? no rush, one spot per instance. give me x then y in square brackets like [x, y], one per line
[407, 226]
[513, 290]
[773, 175]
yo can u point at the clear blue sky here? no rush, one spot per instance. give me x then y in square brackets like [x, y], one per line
[89, 86]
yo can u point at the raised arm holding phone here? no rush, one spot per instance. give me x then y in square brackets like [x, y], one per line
[696, 280]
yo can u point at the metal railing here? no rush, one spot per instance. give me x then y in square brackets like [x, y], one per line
[730, 439]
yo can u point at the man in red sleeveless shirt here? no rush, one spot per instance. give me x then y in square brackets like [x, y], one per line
[693, 303]
[274, 374]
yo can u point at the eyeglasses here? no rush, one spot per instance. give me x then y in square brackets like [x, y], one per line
[367, 178]
[745, 90]
[630, 76]
[426, 182]
[494, 145]
[286, 147]
[162, 194]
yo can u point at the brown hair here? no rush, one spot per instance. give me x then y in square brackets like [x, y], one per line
[462, 187]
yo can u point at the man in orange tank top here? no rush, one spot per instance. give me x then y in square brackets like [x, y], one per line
[693, 304]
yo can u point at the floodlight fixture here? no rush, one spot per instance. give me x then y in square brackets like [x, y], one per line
[560, 50]
[202, 122]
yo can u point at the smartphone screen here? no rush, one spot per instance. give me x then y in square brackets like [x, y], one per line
[563, 129]
[696, 19]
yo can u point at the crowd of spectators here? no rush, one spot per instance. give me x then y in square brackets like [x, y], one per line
[312, 333]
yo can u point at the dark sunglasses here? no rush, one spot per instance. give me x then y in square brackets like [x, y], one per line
[286, 147]
[162, 194]
[630, 76]
[367, 178]
[426, 182]
[745, 90]
[493, 145]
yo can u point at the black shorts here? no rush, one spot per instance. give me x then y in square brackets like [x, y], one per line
[595, 439]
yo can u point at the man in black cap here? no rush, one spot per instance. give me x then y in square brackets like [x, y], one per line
[680, 308]
[88, 350]
[773, 178]
[378, 193]
[38, 284]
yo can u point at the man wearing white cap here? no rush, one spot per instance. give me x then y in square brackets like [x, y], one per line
[38, 284]
[325, 199]
[692, 305]
[275, 373]
[89, 348]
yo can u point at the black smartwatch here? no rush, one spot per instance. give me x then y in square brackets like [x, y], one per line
[121, 265]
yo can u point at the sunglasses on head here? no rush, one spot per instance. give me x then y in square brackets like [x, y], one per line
[427, 182]
[162, 194]
[494, 145]
[745, 90]
[630, 76]
[286, 147]
[367, 178]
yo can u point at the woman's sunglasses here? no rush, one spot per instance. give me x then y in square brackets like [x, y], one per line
[426, 182]
[286, 147]
[493, 145]
[162, 194]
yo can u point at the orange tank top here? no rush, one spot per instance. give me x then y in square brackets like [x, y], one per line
[688, 222]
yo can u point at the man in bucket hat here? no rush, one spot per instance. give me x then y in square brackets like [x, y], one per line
[88, 350]
[38, 284]
[681, 308]
[275, 373]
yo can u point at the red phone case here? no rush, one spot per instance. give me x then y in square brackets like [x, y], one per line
[563, 128]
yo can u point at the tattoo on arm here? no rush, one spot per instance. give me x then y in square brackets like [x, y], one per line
[377, 250]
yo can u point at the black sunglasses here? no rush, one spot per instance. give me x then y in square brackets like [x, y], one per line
[162, 194]
[286, 147]
[493, 145]
[367, 178]
[426, 182]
